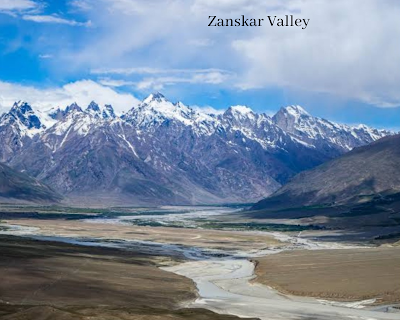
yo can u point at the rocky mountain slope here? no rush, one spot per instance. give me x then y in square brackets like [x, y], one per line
[161, 152]
[15, 185]
[331, 137]
[359, 176]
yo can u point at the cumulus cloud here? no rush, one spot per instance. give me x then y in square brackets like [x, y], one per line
[82, 92]
[349, 49]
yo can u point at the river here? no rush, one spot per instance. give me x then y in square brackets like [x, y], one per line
[224, 279]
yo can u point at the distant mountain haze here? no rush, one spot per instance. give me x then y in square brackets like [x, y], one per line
[161, 152]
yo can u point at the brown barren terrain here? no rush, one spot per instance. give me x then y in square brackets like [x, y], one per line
[49, 280]
[191, 237]
[342, 275]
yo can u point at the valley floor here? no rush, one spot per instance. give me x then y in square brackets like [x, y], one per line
[171, 264]
[45, 280]
[344, 275]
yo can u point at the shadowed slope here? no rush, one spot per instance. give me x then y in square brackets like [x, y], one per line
[20, 186]
[356, 177]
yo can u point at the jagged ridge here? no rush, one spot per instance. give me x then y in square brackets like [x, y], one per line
[163, 152]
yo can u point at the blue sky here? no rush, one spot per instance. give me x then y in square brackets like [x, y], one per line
[345, 66]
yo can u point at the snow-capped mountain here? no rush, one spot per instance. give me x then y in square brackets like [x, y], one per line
[164, 152]
[320, 132]
[156, 110]
[22, 118]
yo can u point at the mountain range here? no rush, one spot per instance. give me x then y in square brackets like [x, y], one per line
[161, 152]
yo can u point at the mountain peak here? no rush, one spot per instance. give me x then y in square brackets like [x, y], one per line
[239, 116]
[108, 112]
[73, 107]
[156, 96]
[293, 118]
[93, 106]
[155, 109]
[22, 106]
[239, 112]
[23, 112]
[158, 141]
[295, 110]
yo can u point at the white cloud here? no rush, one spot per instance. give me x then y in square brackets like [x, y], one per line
[208, 109]
[164, 77]
[108, 82]
[17, 5]
[55, 19]
[81, 5]
[200, 42]
[158, 83]
[151, 70]
[30, 10]
[238, 6]
[349, 48]
[45, 56]
[82, 92]
[127, 71]
[344, 52]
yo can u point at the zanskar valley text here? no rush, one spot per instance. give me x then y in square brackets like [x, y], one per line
[286, 21]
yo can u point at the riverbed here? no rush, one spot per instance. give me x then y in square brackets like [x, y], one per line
[222, 275]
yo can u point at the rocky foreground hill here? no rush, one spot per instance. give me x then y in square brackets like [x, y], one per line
[365, 173]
